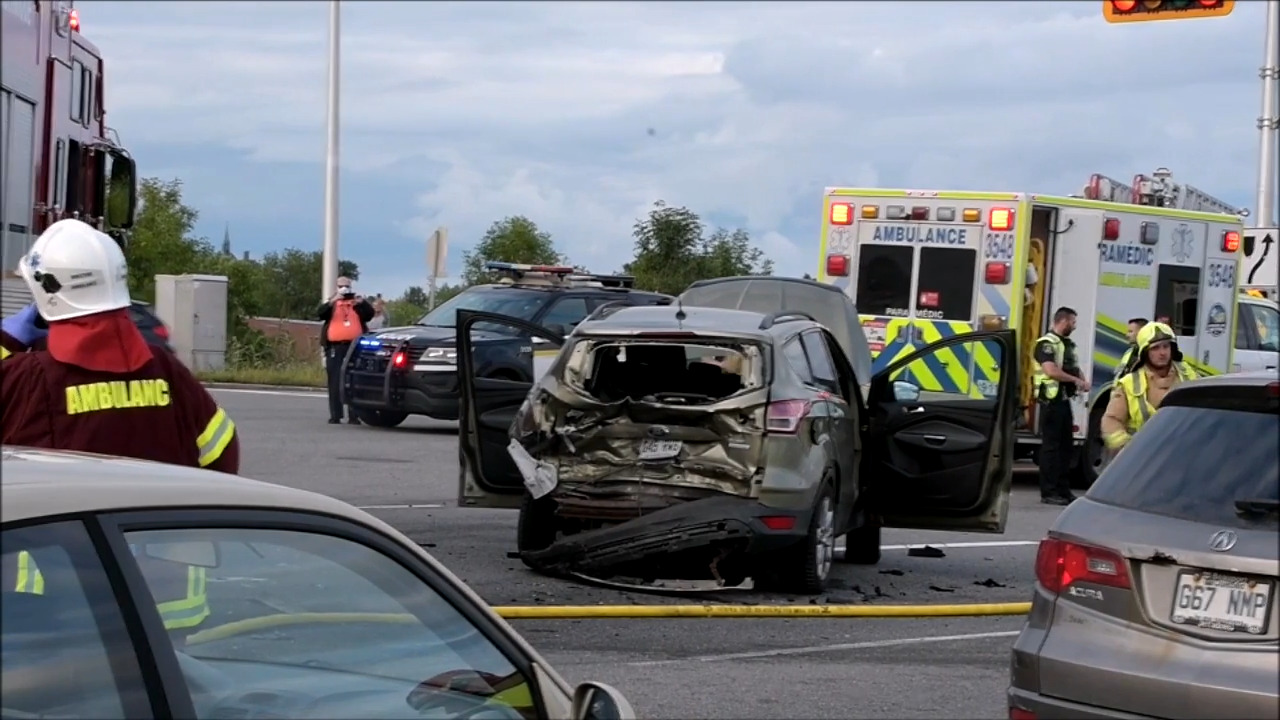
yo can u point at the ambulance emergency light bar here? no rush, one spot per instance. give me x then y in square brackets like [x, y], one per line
[1122, 11]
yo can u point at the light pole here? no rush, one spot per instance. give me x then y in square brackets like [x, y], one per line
[1269, 123]
[329, 276]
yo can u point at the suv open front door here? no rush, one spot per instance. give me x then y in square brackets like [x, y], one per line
[944, 460]
[487, 476]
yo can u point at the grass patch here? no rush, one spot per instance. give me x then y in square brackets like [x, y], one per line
[300, 374]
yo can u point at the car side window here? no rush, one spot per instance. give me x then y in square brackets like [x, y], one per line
[1267, 321]
[1243, 320]
[66, 648]
[567, 311]
[301, 624]
[824, 371]
[793, 351]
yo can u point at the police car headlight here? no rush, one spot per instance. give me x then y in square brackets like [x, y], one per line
[440, 354]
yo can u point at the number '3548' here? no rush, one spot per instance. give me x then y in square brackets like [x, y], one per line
[1222, 275]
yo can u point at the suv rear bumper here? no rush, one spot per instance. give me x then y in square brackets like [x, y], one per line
[730, 522]
[1051, 708]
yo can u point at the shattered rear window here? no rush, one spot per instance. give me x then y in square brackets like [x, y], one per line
[669, 372]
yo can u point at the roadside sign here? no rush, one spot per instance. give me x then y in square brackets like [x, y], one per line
[1261, 256]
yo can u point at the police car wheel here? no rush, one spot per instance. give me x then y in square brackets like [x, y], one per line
[382, 418]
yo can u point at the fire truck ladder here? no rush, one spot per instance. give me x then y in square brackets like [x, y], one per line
[1158, 190]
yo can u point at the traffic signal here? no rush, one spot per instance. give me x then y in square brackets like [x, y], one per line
[1121, 11]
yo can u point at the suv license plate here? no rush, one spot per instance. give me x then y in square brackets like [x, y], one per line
[659, 449]
[1228, 603]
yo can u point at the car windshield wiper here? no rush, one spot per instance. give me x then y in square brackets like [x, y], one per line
[1257, 506]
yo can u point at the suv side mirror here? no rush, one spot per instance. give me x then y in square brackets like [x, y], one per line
[905, 392]
[558, 329]
[597, 701]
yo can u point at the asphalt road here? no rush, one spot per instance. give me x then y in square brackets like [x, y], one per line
[784, 668]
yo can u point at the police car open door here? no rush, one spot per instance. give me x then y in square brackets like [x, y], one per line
[944, 460]
[490, 391]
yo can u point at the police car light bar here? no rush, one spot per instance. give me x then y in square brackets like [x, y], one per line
[614, 281]
[521, 268]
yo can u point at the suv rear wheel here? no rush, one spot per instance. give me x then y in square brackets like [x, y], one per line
[806, 568]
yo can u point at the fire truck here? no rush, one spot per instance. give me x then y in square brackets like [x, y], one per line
[58, 158]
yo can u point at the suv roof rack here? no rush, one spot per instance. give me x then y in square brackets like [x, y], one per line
[785, 316]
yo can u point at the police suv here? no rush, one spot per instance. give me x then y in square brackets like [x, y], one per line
[412, 370]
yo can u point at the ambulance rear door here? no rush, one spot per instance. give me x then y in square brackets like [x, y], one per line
[1075, 246]
[916, 277]
[1216, 308]
[1196, 287]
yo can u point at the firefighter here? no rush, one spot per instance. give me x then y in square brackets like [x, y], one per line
[97, 386]
[1127, 359]
[1055, 382]
[1137, 396]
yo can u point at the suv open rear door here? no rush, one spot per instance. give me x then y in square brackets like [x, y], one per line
[488, 477]
[944, 460]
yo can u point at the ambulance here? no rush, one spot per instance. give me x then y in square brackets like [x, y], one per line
[923, 265]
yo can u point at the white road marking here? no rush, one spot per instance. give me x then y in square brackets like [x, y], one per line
[400, 507]
[286, 393]
[813, 649]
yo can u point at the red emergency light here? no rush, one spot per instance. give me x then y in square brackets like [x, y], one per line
[73, 20]
[1230, 241]
[837, 266]
[399, 359]
[1000, 219]
[996, 273]
[1111, 229]
[841, 214]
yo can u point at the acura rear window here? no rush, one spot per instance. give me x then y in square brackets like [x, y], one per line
[1198, 464]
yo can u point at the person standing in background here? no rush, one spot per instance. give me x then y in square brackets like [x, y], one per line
[345, 317]
[379, 320]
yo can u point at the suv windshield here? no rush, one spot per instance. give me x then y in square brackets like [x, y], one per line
[1196, 464]
[513, 302]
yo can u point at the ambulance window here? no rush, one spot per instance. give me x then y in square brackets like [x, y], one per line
[884, 279]
[1177, 289]
[944, 290]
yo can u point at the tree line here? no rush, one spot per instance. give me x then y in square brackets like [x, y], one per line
[672, 248]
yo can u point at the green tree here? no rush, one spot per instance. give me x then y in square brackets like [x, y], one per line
[161, 242]
[291, 285]
[671, 251]
[414, 295]
[513, 239]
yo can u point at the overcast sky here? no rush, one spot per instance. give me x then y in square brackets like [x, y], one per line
[579, 116]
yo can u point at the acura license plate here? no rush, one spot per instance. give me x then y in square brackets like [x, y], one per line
[659, 449]
[1230, 603]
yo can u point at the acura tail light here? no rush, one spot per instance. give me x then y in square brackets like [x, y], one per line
[785, 416]
[1061, 563]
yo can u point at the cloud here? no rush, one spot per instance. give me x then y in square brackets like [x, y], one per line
[580, 115]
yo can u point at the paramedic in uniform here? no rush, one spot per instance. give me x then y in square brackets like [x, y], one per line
[98, 387]
[1055, 382]
[1137, 396]
[1125, 366]
[345, 318]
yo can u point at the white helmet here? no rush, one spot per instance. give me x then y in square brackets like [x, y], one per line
[74, 270]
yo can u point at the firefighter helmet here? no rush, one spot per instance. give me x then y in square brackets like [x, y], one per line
[1157, 332]
[74, 270]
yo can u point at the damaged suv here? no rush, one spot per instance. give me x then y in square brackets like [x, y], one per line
[733, 435]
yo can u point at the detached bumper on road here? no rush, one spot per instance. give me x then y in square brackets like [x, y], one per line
[692, 540]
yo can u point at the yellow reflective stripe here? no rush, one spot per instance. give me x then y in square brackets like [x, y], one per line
[216, 437]
[955, 371]
[1116, 439]
[191, 610]
[30, 579]
[516, 697]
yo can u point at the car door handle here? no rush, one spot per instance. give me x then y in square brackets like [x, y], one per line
[917, 409]
[935, 439]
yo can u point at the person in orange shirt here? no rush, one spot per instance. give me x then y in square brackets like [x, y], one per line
[345, 318]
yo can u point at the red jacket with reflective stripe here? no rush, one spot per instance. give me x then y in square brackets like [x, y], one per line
[159, 412]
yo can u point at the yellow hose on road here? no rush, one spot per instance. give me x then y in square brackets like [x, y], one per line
[621, 612]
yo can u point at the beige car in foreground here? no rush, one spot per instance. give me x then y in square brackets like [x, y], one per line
[290, 605]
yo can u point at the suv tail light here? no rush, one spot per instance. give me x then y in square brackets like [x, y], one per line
[1061, 563]
[785, 416]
